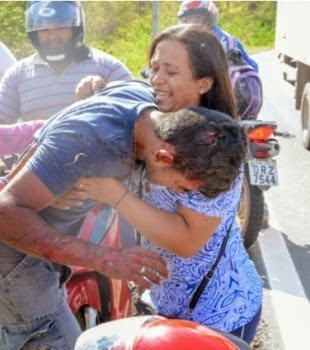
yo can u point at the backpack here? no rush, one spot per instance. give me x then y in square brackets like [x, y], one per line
[245, 82]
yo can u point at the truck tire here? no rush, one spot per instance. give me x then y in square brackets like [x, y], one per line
[305, 116]
[250, 210]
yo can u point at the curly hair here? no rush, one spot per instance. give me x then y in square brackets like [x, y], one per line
[208, 146]
[207, 58]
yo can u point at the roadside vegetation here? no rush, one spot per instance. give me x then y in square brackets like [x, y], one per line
[124, 28]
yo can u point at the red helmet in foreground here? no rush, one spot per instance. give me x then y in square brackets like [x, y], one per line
[180, 334]
[152, 333]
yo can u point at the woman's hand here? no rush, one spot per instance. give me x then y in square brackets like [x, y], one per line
[106, 190]
[73, 198]
[89, 86]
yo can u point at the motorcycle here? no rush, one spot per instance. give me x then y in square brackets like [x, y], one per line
[260, 175]
[92, 297]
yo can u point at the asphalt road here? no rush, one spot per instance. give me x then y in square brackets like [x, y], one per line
[282, 251]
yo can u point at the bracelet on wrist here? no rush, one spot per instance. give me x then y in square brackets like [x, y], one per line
[122, 197]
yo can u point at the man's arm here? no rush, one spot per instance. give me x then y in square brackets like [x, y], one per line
[15, 138]
[24, 230]
[184, 232]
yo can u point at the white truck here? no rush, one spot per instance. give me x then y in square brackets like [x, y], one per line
[293, 45]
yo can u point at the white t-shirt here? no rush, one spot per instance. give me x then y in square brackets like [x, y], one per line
[7, 59]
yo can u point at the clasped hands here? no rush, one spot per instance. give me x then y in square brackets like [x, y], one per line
[105, 190]
[137, 264]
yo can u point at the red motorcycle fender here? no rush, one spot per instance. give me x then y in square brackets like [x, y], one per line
[82, 289]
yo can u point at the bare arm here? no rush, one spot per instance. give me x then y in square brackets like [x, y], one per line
[183, 233]
[14, 138]
[24, 230]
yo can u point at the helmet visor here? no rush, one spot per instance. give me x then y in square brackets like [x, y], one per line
[194, 19]
[52, 14]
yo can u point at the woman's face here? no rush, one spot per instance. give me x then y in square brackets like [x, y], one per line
[172, 78]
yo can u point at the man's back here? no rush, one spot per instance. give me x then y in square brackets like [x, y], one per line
[93, 137]
[226, 38]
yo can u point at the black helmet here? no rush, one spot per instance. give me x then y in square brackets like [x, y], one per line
[190, 9]
[55, 14]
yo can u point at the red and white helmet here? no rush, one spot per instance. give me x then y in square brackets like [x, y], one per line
[206, 10]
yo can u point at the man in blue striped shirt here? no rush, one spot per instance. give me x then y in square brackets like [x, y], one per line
[42, 84]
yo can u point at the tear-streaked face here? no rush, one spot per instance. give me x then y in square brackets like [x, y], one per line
[172, 79]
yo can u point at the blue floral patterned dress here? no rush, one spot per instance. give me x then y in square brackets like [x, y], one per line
[234, 294]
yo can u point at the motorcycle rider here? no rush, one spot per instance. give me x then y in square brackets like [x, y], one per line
[44, 83]
[206, 14]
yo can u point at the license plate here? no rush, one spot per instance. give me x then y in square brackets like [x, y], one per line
[263, 173]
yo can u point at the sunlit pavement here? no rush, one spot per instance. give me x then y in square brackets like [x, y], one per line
[286, 301]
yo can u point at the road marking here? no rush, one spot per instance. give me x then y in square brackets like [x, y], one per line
[288, 298]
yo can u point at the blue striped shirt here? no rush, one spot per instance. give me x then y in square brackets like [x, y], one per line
[32, 90]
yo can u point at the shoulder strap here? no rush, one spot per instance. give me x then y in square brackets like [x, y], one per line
[210, 273]
[230, 42]
[140, 195]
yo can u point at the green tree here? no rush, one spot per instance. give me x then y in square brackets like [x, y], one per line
[253, 22]
[12, 30]
[124, 28]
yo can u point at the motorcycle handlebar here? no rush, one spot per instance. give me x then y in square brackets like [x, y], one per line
[284, 134]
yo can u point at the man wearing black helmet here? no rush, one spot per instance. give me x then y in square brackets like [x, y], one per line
[44, 83]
